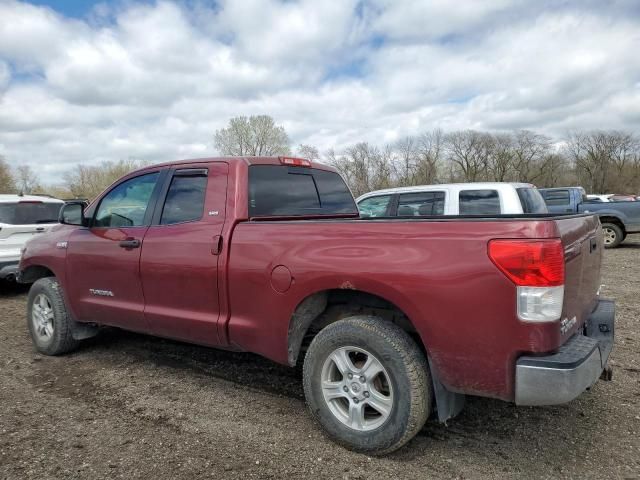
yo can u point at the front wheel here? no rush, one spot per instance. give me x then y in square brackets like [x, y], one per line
[613, 235]
[47, 318]
[368, 385]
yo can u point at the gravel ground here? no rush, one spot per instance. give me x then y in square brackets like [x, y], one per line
[132, 406]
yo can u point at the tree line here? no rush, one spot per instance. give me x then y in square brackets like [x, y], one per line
[604, 161]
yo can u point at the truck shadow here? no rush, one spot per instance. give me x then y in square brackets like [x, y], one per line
[628, 245]
[485, 429]
[12, 289]
[245, 369]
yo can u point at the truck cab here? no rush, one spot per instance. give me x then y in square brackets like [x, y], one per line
[480, 198]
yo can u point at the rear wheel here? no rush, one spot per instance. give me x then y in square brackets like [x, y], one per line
[613, 235]
[47, 318]
[367, 383]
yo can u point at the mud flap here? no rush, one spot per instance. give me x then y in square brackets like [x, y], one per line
[82, 331]
[448, 404]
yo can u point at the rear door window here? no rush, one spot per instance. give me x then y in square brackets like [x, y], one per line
[557, 197]
[421, 203]
[293, 191]
[29, 213]
[531, 200]
[185, 197]
[375, 206]
[479, 202]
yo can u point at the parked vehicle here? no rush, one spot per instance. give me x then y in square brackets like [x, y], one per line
[453, 199]
[598, 198]
[392, 318]
[618, 219]
[21, 218]
[622, 198]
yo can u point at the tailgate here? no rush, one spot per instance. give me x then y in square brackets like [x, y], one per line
[583, 245]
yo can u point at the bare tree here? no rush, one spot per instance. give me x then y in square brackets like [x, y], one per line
[500, 157]
[257, 135]
[406, 150]
[605, 161]
[88, 181]
[531, 152]
[26, 179]
[429, 150]
[309, 152]
[7, 182]
[469, 152]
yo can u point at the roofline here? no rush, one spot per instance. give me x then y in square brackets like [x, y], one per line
[258, 160]
[440, 185]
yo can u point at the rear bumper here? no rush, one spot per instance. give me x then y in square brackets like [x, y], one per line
[8, 270]
[576, 366]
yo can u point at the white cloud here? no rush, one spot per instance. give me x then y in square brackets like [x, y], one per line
[154, 80]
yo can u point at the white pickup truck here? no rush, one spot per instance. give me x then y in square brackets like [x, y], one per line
[494, 198]
[22, 217]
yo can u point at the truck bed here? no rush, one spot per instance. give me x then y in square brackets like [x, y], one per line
[435, 270]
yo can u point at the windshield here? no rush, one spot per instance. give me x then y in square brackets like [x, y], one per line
[29, 213]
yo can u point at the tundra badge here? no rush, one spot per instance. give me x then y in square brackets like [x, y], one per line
[101, 293]
[566, 324]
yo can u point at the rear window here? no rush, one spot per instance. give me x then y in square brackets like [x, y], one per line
[531, 200]
[479, 202]
[26, 213]
[292, 191]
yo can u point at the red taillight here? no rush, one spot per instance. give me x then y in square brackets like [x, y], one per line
[532, 263]
[296, 162]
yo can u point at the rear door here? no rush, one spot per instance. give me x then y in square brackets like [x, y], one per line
[179, 262]
[103, 260]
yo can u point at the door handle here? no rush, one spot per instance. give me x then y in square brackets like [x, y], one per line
[130, 243]
[217, 245]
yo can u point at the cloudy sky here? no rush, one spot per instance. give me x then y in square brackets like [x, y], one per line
[84, 81]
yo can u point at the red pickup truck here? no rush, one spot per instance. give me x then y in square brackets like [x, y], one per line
[393, 318]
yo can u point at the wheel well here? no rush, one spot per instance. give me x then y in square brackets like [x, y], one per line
[320, 309]
[34, 272]
[614, 220]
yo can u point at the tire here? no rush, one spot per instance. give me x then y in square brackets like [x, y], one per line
[48, 321]
[613, 235]
[392, 405]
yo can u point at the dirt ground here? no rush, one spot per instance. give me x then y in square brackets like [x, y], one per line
[132, 406]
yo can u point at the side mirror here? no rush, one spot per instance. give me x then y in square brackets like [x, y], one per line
[72, 213]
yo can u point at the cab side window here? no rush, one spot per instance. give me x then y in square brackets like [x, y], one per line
[421, 203]
[185, 198]
[126, 205]
[479, 202]
[374, 206]
[557, 197]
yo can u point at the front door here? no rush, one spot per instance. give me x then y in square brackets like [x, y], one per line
[103, 260]
[179, 263]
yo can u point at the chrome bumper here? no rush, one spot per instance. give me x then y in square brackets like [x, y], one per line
[576, 366]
